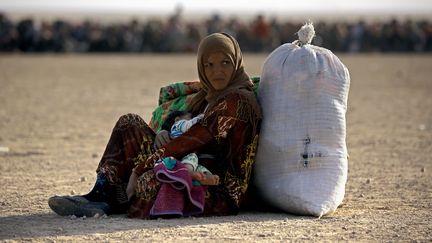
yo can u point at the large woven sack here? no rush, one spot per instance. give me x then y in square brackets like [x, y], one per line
[301, 164]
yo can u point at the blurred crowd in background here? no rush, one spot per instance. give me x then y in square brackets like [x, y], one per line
[174, 34]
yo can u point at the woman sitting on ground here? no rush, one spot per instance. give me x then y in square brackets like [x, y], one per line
[225, 139]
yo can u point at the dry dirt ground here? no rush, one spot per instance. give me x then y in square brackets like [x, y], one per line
[56, 114]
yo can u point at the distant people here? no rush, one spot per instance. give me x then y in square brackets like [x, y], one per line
[357, 34]
[26, 35]
[175, 34]
[8, 34]
[261, 32]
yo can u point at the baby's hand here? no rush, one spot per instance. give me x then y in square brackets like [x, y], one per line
[162, 138]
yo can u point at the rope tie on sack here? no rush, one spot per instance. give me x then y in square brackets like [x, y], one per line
[305, 34]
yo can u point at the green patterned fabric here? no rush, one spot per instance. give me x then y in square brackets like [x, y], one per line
[177, 96]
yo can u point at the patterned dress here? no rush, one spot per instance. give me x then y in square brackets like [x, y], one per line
[226, 142]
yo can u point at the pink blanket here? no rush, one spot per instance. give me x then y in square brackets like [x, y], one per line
[177, 196]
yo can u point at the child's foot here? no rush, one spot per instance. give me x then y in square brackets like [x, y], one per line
[209, 180]
[198, 176]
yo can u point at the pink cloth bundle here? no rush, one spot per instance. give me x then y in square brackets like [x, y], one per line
[177, 196]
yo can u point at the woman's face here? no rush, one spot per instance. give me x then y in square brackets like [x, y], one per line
[218, 69]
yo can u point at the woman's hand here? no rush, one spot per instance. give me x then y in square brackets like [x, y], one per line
[162, 138]
[130, 189]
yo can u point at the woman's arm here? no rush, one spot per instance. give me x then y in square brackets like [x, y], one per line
[231, 125]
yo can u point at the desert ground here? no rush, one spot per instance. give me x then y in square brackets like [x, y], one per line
[57, 112]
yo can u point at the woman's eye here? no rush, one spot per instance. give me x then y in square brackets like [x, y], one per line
[226, 62]
[206, 65]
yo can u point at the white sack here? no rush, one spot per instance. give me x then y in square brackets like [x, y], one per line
[301, 164]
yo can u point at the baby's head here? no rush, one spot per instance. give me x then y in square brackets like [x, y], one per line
[175, 116]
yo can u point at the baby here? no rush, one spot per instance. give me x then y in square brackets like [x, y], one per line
[178, 122]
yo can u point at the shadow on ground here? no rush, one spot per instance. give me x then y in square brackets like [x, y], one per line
[52, 225]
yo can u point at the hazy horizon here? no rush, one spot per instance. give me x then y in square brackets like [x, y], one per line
[222, 6]
[113, 10]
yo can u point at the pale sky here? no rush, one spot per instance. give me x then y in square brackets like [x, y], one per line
[221, 6]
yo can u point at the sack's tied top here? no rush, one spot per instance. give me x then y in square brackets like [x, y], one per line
[305, 34]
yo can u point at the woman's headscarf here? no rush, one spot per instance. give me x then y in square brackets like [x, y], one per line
[239, 83]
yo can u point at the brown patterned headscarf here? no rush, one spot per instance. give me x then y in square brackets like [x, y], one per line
[239, 83]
